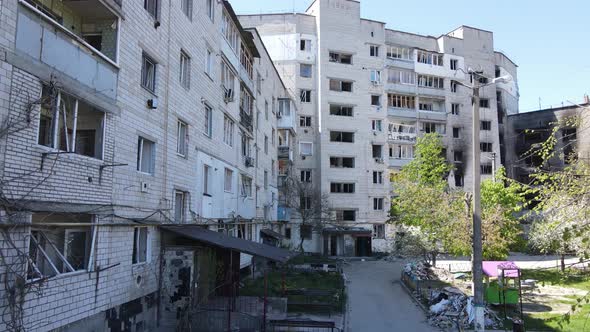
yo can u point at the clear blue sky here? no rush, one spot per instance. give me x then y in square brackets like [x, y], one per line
[549, 40]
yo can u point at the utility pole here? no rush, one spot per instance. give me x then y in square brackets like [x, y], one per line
[477, 270]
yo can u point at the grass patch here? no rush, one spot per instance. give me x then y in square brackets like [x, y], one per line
[578, 320]
[327, 281]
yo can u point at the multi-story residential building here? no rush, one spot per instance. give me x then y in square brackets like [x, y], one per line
[368, 92]
[528, 131]
[120, 120]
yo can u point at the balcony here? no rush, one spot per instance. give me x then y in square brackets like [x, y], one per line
[402, 138]
[283, 213]
[397, 163]
[400, 63]
[84, 49]
[246, 120]
[287, 115]
[285, 152]
[408, 113]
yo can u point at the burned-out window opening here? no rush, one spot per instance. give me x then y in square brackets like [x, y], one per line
[341, 86]
[305, 231]
[340, 110]
[58, 250]
[341, 136]
[140, 245]
[69, 124]
[343, 188]
[305, 121]
[485, 125]
[485, 147]
[341, 162]
[342, 58]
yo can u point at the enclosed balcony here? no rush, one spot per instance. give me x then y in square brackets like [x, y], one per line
[287, 115]
[78, 38]
[402, 133]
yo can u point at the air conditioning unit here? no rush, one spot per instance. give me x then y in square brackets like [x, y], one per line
[249, 162]
[379, 160]
[375, 132]
[152, 103]
[228, 95]
[376, 83]
[144, 187]
[279, 115]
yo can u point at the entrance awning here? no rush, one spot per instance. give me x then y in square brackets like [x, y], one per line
[198, 233]
[271, 233]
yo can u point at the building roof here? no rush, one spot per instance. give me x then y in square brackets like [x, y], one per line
[246, 35]
[200, 234]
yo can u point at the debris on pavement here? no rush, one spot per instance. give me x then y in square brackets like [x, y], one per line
[425, 271]
[452, 307]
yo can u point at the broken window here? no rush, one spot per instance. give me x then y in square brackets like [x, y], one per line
[454, 86]
[146, 155]
[340, 110]
[305, 45]
[395, 52]
[339, 85]
[375, 100]
[245, 145]
[305, 148]
[182, 138]
[431, 82]
[399, 101]
[346, 188]
[306, 175]
[148, 73]
[377, 151]
[305, 96]
[431, 127]
[341, 162]
[401, 76]
[180, 199]
[375, 76]
[425, 106]
[378, 177]
[246, 189]
[458, 156]
[230, 31]
[71, 125]
[485, 147]
[378, 204]
[305, 203]
[345, 215]
[430, 58]
[379, 231]
[456, 132]
[228, 131]
[486, 169]
[374, 50]
[56, 250]
[454, 64]
[484, 103]
[341, 136]
[288, 233]
[305, 121]
[341, 58]
[401, 151]
[185, 69]
[305, 231]
[227, 81]
[305, 70]
[140, 245]
[376, 125]
[455, 109]
[485, 125]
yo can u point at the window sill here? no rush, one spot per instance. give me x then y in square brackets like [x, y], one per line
[209, 76]
[208, 195]
[153, 93]
[144, 173]
[183, 156]
[47, 149]
[60, 276]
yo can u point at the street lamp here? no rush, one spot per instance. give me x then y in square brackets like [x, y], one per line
[477, 259]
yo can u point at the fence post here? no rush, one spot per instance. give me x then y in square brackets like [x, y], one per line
[265, 299]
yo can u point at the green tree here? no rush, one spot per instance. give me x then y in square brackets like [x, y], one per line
[440, 218]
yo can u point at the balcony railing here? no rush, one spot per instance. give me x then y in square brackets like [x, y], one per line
[284, 152]
[404, 137]
[246, 120]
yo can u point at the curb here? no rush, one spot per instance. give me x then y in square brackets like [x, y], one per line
[420, 304]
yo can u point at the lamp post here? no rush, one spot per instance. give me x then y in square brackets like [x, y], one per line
[477, 257]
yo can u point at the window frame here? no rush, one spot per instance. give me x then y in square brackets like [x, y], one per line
[182, 141]
[185, 69]
[208, 120]
[228, 130]
[183, 203]
[155, 11]
[147, 82]
[228, 182]
[302, 72]
[135, 260]
[207, 180]
[310, 149]
[304, 121]
[378, 203]
[210, 9]
[186, 6]
[140, 150]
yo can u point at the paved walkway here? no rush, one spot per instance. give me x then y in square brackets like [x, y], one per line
[377, 302]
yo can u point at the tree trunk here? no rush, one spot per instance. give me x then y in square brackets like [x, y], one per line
[562, 263]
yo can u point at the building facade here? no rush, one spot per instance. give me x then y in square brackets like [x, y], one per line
[118, 118]
[366, 92]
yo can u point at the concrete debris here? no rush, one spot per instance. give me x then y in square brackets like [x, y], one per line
[457, 309]
[425, 271]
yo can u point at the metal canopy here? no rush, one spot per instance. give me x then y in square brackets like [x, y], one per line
[198, 233]
[271, 233]
[347, 230]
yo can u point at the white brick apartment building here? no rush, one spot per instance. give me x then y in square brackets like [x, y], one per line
[366, 93]
[118, 117]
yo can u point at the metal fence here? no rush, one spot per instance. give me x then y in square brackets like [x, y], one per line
[301, 326]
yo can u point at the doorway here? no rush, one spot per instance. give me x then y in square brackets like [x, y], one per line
[333, 245]
[363, 246]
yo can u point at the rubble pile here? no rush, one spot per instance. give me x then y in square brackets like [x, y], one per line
[451, 307]
[425, 271]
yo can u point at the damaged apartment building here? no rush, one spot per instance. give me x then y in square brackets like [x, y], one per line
[364, 94]
[139, 147]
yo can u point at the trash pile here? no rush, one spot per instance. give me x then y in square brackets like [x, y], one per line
[424, 271]
[451, 307]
